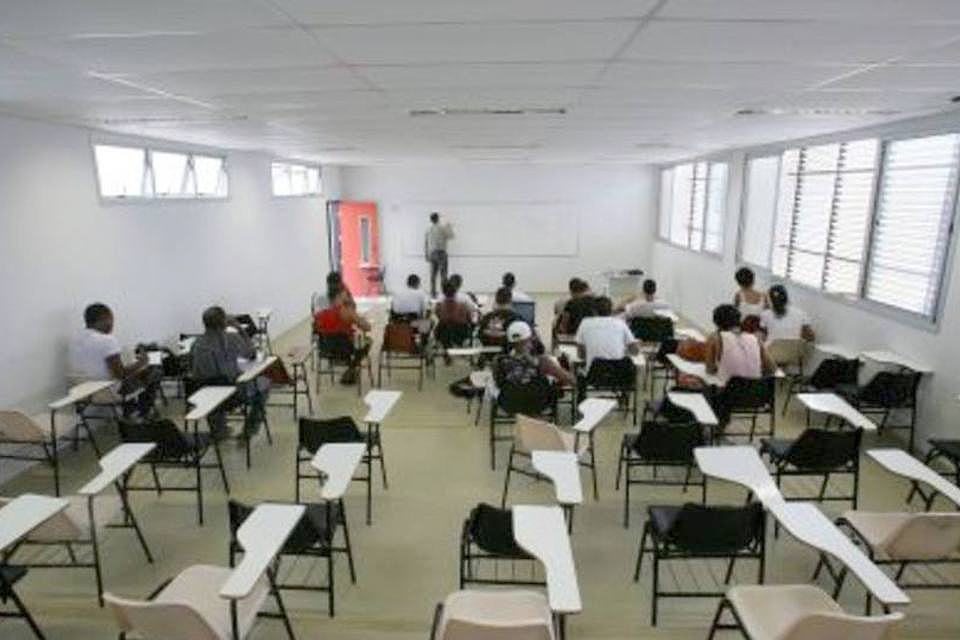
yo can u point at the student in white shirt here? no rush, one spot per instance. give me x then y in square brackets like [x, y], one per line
[411, 302]
[646, 305]
[604, 336]
[94, 354]
[783, 321]
[457, 281]
[510, 282]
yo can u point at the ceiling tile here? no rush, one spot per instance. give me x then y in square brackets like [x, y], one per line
[866, 11]
[904, 77]
[746, 75]
[482, 75]
[212, 82]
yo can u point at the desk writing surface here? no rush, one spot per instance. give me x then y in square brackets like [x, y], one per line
[903, 464]
[696, 404]
[542, 532]
[832, 404]
[833, 349]
[114, 464]
[670, 314]
[380, 402]
[695, 369]
[80, 392]
[338, 460]
[261, 535]
[889, 357]
[256, 369]
[690, 333]
[740, 464]
[563, 469]
[207, 399]
[25, 513]
[594, 410]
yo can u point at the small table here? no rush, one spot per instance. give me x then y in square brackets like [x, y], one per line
[834, 405]
[593, 410]
[380, 403]
[76, 396]
[336, 462]
[262, 536]
[205, 401]
[903, 464]
[249, 375]
[562, 468]
[18, 518]
[542, 532]
[740, 464]
[695, 369]
[696, 404]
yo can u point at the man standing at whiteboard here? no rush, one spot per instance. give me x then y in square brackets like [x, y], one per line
[435, 247]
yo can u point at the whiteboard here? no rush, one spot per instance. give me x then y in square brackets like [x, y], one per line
[494, 228]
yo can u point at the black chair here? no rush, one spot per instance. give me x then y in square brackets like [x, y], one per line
[886, 393]
[615, 378]
[175, 449]
[651, 329]
[817, 452]
[537, 400]
[314, 433]
[338, 350]
[486, 540]
[832, 374]
[746, 399]
[527, 311]
[949, 450]
[10, 575]
[313, 537]
[699, 531]
[403, 347]
[659, 444]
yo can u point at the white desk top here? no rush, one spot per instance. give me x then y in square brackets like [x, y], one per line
[696, 404]
[23, 514]
[690, 333]
[837, 350]
[380, 403]
[338, 460]
[80, 392]
[542, 532]
[573, 355]
[695, 369]
[805, 522]
[563, 469]
[207, 399]
[480, 379]
[670, 314]
[833, 404]
[113, 465]
[903, 464]
[261, 535]
[889, 357]
[255, 369]
[155, 358]
[741, 465]
[470, 352]
[594, 410]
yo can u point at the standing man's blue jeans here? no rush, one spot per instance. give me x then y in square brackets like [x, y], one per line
[438, 264]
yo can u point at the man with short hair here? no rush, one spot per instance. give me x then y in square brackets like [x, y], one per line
[435, 249]
[493, 326]
[411, 303]
[605, 344]
[528, 382]
[580, 306]
[646, 305]
[510, 282]
[94, 354]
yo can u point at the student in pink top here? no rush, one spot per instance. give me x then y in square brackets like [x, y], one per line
[731, 353]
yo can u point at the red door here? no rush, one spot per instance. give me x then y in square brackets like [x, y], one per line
[359, 246]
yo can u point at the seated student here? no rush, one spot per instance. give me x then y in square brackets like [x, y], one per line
[339, 323]
[783, 321]
[645, 305]
[558, 306]
[214, 356]
[322, 300]
[94, 354]
[603, 340]
[466, 298]
[748, 300]
[493, 325]
[580, 306]
[510, 282]
[411, 303]
[527, 381]
[454, 318]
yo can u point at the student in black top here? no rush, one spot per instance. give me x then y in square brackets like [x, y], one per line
[582, 305]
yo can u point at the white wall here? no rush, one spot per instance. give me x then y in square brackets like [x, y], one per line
[697, 283]
[156, 264]
[609, 206]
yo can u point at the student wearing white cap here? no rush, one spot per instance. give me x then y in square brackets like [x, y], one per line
[525, 379]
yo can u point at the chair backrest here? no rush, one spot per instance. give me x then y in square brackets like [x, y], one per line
[612, 374]
[527, 311]
[668, 442]
[818, 626]
[530, 434]
[336, 345]
[925, 536]
[893, 390]
[833, 372]
[827, 450]
[787, 351]
[399, 337]
[491, 529]
[651, 328]
[171, 442]
[303, 536]
[160, 620]
[19, 426]
[315, 433]
[748, 393]
[495, 615]
[717, 529]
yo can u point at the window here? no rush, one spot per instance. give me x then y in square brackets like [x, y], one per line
[135, 172]
[865, 219]
[693, 204]
[295, 179]
[913, 223]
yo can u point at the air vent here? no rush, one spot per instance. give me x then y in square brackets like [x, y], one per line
[513, 111]
[817, 112]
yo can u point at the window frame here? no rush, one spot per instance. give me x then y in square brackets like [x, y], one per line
[709, 161]
[306, 166]
[885, 134]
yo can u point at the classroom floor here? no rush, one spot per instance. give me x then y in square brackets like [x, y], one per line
[438, 465]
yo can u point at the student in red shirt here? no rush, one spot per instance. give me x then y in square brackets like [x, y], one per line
[338, 327]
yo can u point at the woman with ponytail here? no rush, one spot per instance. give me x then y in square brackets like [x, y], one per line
[783, 321]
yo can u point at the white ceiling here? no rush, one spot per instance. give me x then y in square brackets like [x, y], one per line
[335, 80]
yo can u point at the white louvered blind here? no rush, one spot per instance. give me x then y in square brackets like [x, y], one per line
[760, 205]
[823, 213]
[693, 205]
[681, 205]
[666, 203]
[913, 222]
[716, 207]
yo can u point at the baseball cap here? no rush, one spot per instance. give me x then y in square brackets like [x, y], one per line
[517, 331]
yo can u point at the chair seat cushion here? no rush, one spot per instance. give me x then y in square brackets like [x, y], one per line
[496, 614]
[662, 517]
[770, 611]
[949, 448]
[876, 527]
[198, 587]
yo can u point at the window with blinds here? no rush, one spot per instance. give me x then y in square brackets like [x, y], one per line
[693, 205]
[913, 222]
[759, 206]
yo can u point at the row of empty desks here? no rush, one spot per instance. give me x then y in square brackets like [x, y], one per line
[903, 464]
[880, 356]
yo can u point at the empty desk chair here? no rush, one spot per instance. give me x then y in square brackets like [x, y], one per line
[493, 615]
[289, 378]
[489, 554]
[949, 450]
[22, 438]
[539, 399]
[904, 539]
[699, 531]
[832, 374]
[340, 351]
[747, 399]
[818, 452]
[531, 435]
[402, 348]
[659, 444]
[796, 612]
[886, 393]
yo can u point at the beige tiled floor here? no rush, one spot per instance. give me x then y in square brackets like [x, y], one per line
[407, 560]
